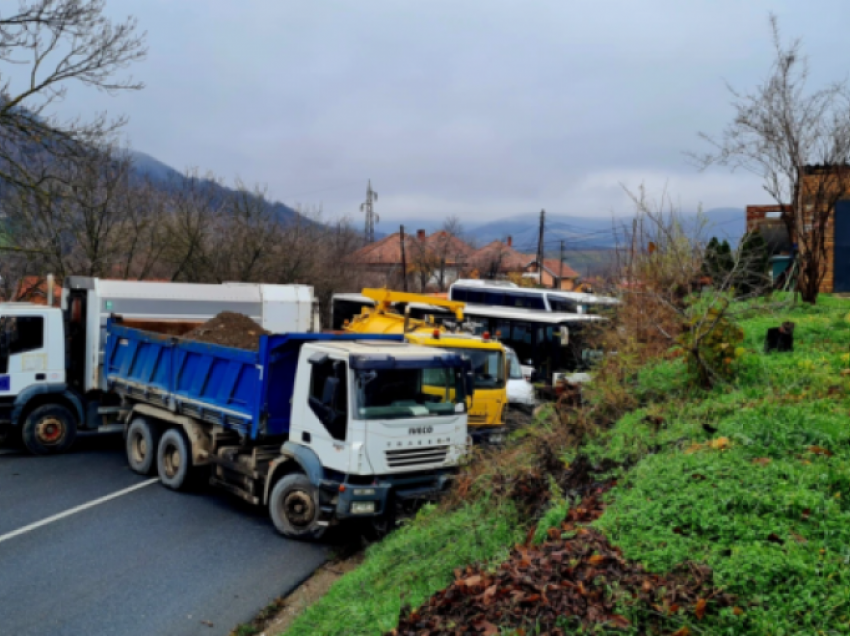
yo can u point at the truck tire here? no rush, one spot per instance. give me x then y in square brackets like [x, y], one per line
[141, 445]
[49, 429]
[173, 460]
[294, 508]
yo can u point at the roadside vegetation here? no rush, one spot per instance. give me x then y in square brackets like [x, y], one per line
[410, 565]
[702, 487]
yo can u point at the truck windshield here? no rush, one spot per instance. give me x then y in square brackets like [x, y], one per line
[405, 393]
[488, 365]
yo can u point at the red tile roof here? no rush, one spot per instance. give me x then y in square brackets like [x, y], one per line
[34, 289]
[553, 266]
[498, 256]
[387, 251]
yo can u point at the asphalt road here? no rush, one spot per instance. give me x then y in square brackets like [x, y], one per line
[146, 562]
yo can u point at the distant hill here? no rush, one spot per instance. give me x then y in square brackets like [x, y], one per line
[578, 232]
[166, 177]
[589, 242]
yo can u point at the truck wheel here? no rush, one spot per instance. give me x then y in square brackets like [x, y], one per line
[142, 438]
[173, 460]
[294, 508]
[49, 429]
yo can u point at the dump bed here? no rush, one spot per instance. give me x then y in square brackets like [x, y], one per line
[245, 391]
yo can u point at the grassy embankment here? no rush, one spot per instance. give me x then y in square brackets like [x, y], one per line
[751, 478]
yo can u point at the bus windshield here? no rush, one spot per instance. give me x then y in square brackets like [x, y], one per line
[488, 366]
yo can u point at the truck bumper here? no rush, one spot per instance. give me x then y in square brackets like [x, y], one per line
[372, 500]
[488, 436]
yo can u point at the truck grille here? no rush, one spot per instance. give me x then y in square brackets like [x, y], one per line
[419, 456]
[476, 420]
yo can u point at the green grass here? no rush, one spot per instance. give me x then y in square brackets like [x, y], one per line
[408, 566]
[776, 533]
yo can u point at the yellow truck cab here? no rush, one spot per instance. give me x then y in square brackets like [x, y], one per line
[486, 417]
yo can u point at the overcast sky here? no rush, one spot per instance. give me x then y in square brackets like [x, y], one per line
[481, 108]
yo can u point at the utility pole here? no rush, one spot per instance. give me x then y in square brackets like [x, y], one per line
[561, 267]
[371, 217]
[540, 248]
[403, 259]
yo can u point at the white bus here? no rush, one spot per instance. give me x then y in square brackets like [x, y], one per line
[506, 294]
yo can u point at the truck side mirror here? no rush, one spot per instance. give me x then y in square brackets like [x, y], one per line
[469, 383]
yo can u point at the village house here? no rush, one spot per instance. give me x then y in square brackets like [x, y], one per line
[434, 262]
[834, 184]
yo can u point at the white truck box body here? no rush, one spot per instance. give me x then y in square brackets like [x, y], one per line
[276, 308]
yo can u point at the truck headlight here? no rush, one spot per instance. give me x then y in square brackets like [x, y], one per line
[362, 507]
[360, 492]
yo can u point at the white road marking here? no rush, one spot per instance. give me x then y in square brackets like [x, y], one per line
[75, 510]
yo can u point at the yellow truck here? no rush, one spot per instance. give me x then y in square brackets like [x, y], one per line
[486, 418]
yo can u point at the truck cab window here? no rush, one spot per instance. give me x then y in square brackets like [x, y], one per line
[329, 396]
[23, 333]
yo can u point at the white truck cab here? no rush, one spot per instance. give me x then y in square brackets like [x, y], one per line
[384, 420]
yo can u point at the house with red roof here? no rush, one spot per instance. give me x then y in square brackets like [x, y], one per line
[435, 261]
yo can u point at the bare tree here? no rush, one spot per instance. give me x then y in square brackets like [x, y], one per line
[56, 43]
[666, 300]
[450, 251]
[798, 142]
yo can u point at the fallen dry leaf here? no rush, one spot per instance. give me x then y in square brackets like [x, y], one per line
[620, 621]
[720, 443]
[700, 608]
[762, 461]
[487, 628]
[684, 631]
[820, 450]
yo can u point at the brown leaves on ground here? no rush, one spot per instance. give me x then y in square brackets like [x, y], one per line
[578, 575]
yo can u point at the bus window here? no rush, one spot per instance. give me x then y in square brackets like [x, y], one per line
[536, 302]
[563, 305]
[495, 298]
[458, 293]
[475, 297]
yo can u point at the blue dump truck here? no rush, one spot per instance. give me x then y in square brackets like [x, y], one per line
[320, 428]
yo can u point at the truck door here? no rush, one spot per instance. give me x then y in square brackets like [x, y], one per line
[329, 411]
[23, 353]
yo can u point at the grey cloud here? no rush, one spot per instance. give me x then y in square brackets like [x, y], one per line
[478, 108]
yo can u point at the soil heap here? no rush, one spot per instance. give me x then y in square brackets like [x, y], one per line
[229, 329]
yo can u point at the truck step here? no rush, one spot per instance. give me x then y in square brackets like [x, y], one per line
[252, 499]
[110, 428]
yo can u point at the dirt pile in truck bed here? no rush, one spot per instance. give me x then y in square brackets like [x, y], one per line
[229, 329]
